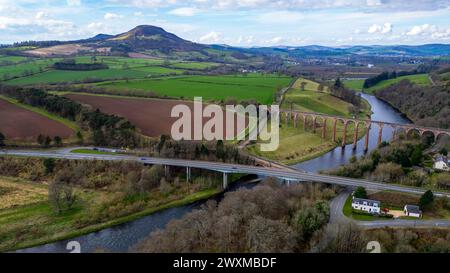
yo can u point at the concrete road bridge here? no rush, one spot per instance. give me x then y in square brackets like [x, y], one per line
[289, 175]
[319, 121]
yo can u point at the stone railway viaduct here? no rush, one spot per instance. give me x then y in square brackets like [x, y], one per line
[320, 121]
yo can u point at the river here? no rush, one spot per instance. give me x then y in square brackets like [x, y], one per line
[122, 237]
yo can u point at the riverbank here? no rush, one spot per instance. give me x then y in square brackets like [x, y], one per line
[34, 222]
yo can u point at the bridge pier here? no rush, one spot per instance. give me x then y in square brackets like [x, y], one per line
[304, 123]
[355, 137]
[344, 136]
[166, 170]
[314, 124]
[225, 181]
[380, 134]
[188, 174]
[394, 134]
[366, 146]
[334, 130]
[295, 120]
[324, 129]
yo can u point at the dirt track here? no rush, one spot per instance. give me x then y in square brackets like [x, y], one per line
[18, 123]
[152, 117]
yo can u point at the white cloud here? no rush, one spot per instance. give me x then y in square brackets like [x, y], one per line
[432, 31]
[212, 37]
[51, 26]
[74, 3]
[298, 5]
[418, 30]
[384, 29]
[186, 11]
[40, 15]
[275, 41]
[112, 16]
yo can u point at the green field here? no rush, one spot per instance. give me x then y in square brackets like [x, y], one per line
[357, 85]
[91, 151]
[18, 70]
[13, 59]
[309, 85]
[194, 65]
[59, 76]
[39, 71]
[296, 145]
[252, 87]
[157, 70]
[312, 101]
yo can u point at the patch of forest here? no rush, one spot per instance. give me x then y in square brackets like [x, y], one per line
[394, 74]
[425, 105]
[73, 66]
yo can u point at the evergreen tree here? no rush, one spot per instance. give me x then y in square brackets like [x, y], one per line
[360, 192]
[426, 199]
[2, 140]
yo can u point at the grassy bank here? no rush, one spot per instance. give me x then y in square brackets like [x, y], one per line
[358, 85]
[31, 221]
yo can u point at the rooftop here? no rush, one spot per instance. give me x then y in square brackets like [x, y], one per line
[413, 209]
[372, 203]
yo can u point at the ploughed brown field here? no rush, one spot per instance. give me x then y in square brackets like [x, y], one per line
[18, 123]
[151, 116]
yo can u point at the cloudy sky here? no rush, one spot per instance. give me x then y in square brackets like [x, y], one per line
[234, 22]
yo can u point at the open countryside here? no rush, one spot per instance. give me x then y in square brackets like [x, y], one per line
[87, 153]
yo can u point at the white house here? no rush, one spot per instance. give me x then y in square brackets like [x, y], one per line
[370, 206]
[441, 163]
[413, 211]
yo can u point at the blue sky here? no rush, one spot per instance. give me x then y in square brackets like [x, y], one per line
[234, 22]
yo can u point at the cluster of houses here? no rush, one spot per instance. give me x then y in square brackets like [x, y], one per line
[441, 163]
[374, 207]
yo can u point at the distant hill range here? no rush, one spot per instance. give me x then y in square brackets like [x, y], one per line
[373, 50]
[154, 41]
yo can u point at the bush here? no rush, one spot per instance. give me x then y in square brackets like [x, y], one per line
[360, 192]
[443, 181]
[388, 172]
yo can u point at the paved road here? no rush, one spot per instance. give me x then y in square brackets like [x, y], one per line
[282, 173]
[337, 216]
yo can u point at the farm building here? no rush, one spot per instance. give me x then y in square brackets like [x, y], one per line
[413, 211]
[370, 206]
[441, 163]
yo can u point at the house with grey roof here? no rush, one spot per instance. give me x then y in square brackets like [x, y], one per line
[413, 211]
[367, 205]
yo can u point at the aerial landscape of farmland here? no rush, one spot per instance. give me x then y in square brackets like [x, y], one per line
[119, 130]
